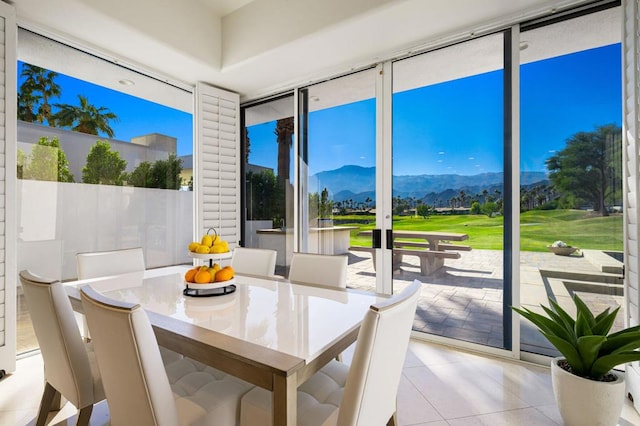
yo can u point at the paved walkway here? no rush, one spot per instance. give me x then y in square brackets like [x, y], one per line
[463, 300]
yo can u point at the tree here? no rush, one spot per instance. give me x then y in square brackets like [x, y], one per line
[40, 80]
[22, 159]
[85, 118]
[489, 208]
[325, 208]
[284, 133]
[104, 166]
[475, 208]
[425, 210]
[587, 165]
[163, 174]
[247, 145]
[27, 104]
[262, 196]
[48, 162]
[141, 175]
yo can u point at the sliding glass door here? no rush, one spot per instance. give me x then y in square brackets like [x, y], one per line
[337, 171]
[448, 186]
[571, 162]
[268, 170]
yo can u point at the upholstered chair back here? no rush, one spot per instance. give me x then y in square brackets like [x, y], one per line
[322, 269]
[113, 262]
[134, 377]
[374, 376]
[66, 361]
[254, 261]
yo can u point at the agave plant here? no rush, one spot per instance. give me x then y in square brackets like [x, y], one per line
[585, 342]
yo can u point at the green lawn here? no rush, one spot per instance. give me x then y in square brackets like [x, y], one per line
[538, 229]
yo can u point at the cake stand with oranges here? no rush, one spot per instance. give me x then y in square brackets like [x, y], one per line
[211, 280]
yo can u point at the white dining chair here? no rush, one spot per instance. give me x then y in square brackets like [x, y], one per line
[363, 394]
[321, 269]
[254, 261]
[137, 387]
[112, 262]
[105, 263]
[70, 369]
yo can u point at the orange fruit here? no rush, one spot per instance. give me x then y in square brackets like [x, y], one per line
[190, 276]
[224, 274]
[203, 277]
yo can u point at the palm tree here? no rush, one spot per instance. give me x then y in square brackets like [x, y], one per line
[85, 118]
[463, 197]
[284, 133]
[27, 102]
[40, 80]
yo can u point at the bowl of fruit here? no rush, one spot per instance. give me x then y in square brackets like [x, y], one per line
[210, 246]
[209, 280]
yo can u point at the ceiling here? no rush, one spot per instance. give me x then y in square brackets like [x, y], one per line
[224, 7]
[261, 47]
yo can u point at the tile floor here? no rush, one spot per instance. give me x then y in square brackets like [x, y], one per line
[440, 386]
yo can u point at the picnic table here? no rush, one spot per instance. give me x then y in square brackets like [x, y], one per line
[432, 248]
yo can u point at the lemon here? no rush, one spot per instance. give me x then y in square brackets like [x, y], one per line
[193, 246]
[221, 246]
[218, 248]
[207, 240]
[202, 249]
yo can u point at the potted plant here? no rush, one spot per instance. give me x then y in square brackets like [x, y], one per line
[587, 389]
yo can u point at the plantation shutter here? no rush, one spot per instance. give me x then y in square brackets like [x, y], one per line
[631, 158]
[217, 156]
[8, 123]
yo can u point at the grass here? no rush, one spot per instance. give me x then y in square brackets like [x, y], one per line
[538, 229]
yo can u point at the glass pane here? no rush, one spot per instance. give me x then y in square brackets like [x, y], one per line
[571, 162]
[269, 178]
[98, 169]
[338, 171]
[448, 187]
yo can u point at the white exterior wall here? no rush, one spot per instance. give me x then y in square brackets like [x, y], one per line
[58, 220]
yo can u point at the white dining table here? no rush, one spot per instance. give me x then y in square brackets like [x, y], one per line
[269, 332]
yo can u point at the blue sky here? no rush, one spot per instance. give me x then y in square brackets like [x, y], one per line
[456, 126]
[451, 127]
[136, 116]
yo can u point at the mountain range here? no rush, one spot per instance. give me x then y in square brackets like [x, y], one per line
[359, 183]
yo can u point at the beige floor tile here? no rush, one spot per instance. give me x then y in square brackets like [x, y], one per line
[526, 416]
[440, 386]
[461, 390]
[413, 408]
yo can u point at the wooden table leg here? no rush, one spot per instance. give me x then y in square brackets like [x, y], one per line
[285, 400]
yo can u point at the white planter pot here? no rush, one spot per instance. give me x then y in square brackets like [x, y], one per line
[587, 402]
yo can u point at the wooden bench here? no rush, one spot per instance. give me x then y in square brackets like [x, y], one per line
[396, 260]
[441, 246]
[430, 260]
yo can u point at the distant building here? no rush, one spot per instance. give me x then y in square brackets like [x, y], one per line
[76, 146]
